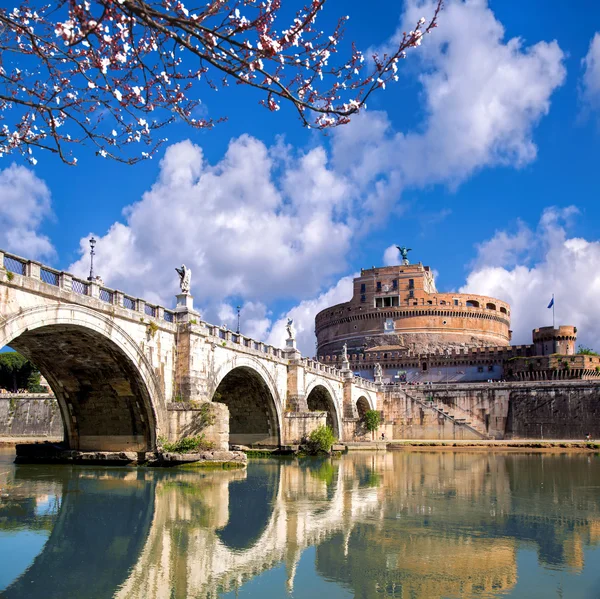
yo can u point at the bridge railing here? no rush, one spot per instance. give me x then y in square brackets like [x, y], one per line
[224, 335]
[366, 383]
[315, 366]
[67, 282]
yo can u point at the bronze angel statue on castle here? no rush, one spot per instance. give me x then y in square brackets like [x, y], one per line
[404, 253]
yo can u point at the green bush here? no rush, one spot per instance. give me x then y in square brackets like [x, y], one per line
[586, 351]
[321, 439]
[372, 420]
[187, 445]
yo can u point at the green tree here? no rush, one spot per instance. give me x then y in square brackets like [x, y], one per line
[372, 420]
[17, 372]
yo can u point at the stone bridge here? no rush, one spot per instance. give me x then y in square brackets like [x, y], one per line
[126, 372]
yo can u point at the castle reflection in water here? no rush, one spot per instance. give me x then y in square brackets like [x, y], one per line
[399, 524]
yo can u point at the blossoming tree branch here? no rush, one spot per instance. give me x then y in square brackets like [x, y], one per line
[111, 73]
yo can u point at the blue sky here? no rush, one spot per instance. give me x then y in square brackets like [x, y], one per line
[483, 158]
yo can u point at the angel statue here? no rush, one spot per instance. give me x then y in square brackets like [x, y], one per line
[345, 352]
[378, 370]
[185, 276]
[289, 327]
[404, 253]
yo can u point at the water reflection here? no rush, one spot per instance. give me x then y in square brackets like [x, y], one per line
[437, 524]
[99, 523]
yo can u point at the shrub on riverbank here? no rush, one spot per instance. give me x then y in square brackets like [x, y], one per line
[191, 444]
[320, 440]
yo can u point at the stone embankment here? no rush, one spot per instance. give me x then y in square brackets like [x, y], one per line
[555, 410]
[30, 416]
[51, 453]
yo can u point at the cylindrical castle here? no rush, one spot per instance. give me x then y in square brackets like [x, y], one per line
[399, 308]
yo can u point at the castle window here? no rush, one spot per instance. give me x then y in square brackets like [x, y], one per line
[490, 306]
[378, 285]
[395, 284]
[491, 368]
[456, 302]
[411, 293]
[503, 310]
[411, 283]
[472, 304]
[379, 302]
[363, 298]
[443, 303]
[480, 369]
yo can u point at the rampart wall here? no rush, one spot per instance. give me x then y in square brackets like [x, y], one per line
[522, 410]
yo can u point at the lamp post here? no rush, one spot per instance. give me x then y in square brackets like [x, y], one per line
[238, 315]
[92, 254]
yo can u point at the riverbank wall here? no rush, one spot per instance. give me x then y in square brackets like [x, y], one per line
[463, 412]
[540, 410]
[30, 416]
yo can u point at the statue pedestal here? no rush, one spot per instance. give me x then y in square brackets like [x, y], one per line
[347, 374]
[185, 308]
[290, 351]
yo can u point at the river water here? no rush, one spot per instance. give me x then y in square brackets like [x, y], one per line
[421, 524]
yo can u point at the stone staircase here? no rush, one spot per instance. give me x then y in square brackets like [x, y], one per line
[454, 414]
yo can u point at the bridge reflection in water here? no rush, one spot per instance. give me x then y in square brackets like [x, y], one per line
[384, 525]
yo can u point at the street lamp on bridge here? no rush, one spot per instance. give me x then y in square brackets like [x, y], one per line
[92, 254]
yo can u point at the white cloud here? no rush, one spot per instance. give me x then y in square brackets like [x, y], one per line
[304, 316]
[482, 96]
[24, 204]
[566, 266]
[391, 256]
[590, 83]
[244, 230]
[504, 248]
[254, 319]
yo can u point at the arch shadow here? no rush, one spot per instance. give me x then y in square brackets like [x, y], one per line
[320, 398]
[252, 400]
[362, 406]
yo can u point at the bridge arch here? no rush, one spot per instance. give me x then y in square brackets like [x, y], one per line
[321, 396]
[247, 388]
[108, 394]
[362, 406]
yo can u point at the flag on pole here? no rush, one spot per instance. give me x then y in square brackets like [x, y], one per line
[551, 302]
